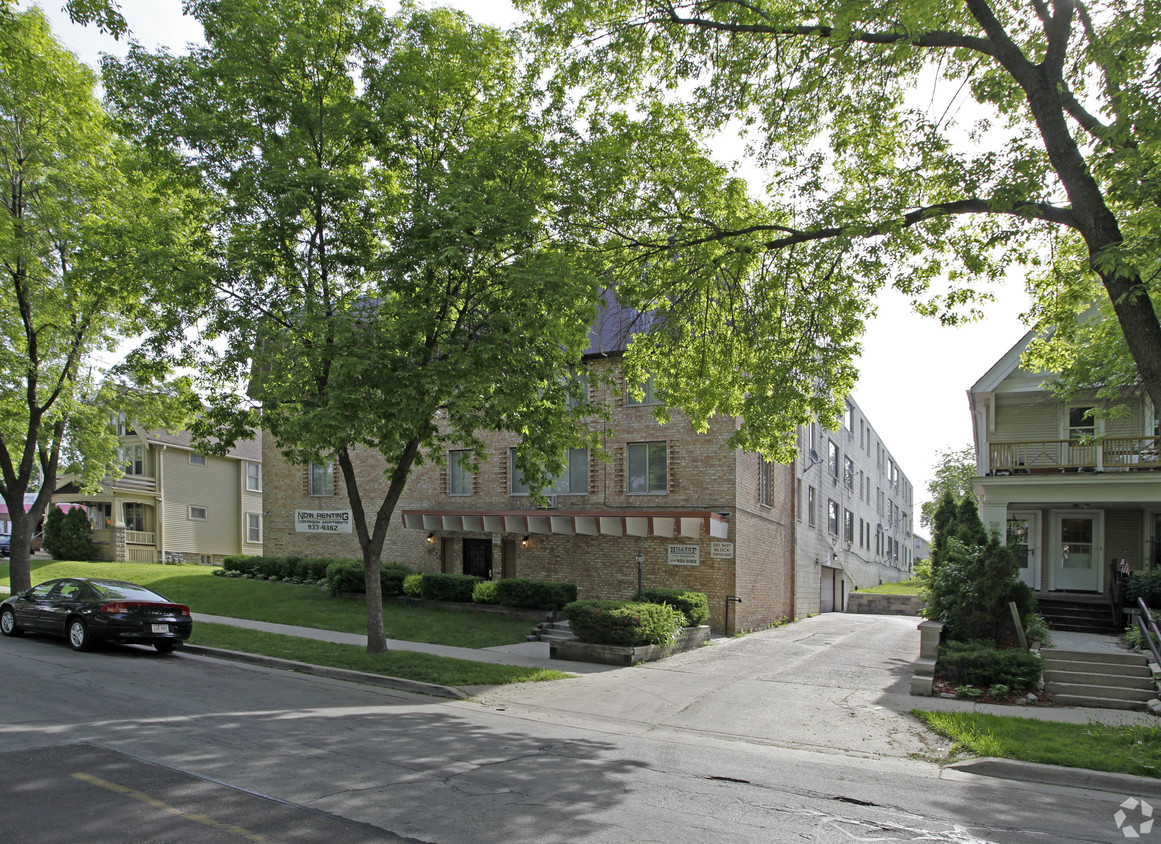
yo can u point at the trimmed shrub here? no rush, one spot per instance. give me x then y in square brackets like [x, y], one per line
[413, 585]
[534, 594]
[391, 577]
[693, 605]
[448, 587]
[624, 622]
[345, 576]
[485, 593]
[981, 664]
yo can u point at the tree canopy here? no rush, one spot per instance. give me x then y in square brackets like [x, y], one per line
[955, 471]
[392, 237]
[84, 236]
[924, 145]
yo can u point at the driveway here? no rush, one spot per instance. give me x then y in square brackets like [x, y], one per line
[835, 682]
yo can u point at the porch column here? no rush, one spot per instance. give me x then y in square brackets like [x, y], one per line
[994, 515]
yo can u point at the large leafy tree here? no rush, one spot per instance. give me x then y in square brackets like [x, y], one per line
[82, 235]
[955, 472]
[914, 141]
[393, 239]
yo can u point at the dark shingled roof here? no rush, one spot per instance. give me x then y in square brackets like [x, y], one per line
[615, 325]
[243, 449]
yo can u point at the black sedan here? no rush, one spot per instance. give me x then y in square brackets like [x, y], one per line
[87, 610]
[5, 545]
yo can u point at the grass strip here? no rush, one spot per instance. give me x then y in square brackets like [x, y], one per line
[409, 665]
[1126, 749]
[906, 587]
[288, 603]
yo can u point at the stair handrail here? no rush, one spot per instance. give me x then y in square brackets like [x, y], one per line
[1149, 629]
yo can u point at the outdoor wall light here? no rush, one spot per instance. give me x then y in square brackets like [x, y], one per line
[431, 537]
[524, 541]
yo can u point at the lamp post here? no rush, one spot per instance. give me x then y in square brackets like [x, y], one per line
[730, 599]
[640, 560]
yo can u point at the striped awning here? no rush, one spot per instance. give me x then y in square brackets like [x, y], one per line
[690, 524]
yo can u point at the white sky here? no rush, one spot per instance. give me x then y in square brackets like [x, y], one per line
[914, 373]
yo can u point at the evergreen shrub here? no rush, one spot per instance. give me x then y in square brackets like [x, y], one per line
[69, 536]
[448, 587]
[980, 663]
[534, 594]
[624, 622]
[413, 585]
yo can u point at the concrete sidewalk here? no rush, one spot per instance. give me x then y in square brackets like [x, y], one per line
[523, 654]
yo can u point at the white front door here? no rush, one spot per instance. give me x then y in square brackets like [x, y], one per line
[1024, 540]
[1076, 551]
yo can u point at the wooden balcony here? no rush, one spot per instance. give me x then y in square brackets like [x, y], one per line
[1097, 454]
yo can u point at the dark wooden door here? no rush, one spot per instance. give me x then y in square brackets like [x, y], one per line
[478, 557]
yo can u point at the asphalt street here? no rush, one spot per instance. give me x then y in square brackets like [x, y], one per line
[795, 734]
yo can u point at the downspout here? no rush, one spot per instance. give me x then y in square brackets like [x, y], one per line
[793, 539]
[159, 514]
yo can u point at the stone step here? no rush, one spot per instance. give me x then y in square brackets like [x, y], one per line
[1057, 691]
[1097, 702]
[1102, 658]
[1125, 681]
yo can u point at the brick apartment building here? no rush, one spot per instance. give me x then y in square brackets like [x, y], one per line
[697, 513]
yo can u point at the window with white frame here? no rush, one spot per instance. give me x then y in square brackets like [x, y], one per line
[849, 418]
[849, 476]
[136, 516]
[848, 526]
[254, 477]
[832, 517]
[649, 394]
[253, 527]
[810, 508]
[798, 499]
[196, 459]
[121, 425]
[1081, 422]
[574, 480]
[198, 513]
[133, 456]
[833, 458]
[459, 473]
[322, 477]
[648, 469]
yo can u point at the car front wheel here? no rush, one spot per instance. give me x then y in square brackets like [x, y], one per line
[79, 639]
[8, 624]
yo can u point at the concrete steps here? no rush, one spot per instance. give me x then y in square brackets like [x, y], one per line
[1077, 616]
[551, 631]
[1105, 680]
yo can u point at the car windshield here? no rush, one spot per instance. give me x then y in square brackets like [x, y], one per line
[125, 591]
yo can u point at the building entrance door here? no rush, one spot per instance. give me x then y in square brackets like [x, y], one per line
[1076, 550]
[478, 558]
[1024, 540]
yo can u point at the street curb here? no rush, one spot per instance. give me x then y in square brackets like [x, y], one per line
[1011, 769]
[397, 683]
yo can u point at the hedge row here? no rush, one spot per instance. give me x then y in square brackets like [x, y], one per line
[349, 576]
[292, 569]
[624, 622]
[982, 664]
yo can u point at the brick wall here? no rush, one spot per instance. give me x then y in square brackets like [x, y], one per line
[703, 473]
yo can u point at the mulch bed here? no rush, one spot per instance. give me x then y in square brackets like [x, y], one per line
[945, 688]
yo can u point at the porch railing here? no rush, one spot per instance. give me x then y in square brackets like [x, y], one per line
[139, 537]
[1149, 631]
[1098, 454]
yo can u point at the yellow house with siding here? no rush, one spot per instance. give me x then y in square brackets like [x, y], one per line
[173, 503]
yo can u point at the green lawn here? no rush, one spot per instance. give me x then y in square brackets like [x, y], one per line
[1098, 747]
[412, 666]
[907, 587]
[285, 603]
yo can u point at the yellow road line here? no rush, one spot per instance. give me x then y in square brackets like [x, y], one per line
[157, 804]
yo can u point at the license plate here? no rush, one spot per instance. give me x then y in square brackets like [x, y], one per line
[160, 628]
